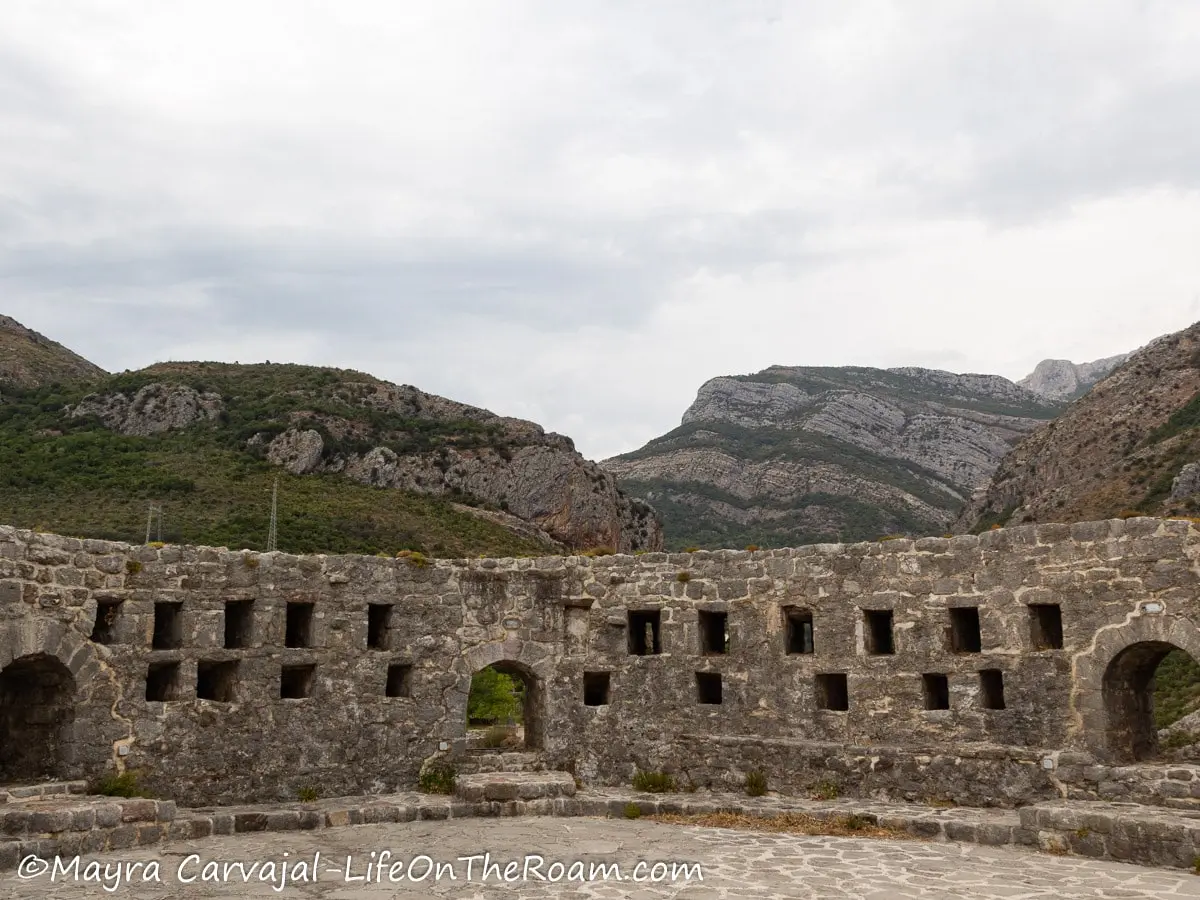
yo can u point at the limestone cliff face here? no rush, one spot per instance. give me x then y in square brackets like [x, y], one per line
[153, 409]
[795, 454]
[1126, 446]
[1061, 379]
[310, 421]
[547, 484]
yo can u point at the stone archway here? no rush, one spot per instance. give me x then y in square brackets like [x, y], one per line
[527, 697]
[1129, 700]
[1114, 682]
[520, 660]
[37, 712]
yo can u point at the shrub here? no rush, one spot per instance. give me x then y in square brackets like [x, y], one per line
[497, 736]
[683, 577]
[750, 548]
[756, 783]
[1177, 739]
[438, 778]
[691, 549]
[653, 782]
[633, 811]
[157, 545]
[123, 785]
[308, 794]
[857, 823]
[132, 567]
[598, 551]
[826, 790]
[250, 562]
[414, 558]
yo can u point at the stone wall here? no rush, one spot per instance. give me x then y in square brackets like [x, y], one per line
[182, 665]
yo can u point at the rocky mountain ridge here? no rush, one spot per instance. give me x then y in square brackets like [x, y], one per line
[396, 436]
[1131, 444]
[1063, 380]
[804, 454]
[209, 429]
[29, 359]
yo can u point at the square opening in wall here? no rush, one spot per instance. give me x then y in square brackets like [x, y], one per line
[295, 682]
[298, 632]
[879, 632]
[399, 680]
[239, 624]
[708, 687]
[965, 636]
[645, 638]
[168, 626]
[832, 692]
[105, 627]
[714, 633]
[991, 689]
[937, 691]
[217, 681]
[799, 630]
[162, 682]
[1045, 626]
[379, 626]
[595, 688]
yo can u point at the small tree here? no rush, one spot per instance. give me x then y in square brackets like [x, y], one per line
[495, 697]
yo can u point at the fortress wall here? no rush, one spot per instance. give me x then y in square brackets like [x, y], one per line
[564, 622]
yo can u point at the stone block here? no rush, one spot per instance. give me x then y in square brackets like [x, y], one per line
[49, 822]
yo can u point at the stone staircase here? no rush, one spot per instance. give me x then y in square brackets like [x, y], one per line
[474, 762]
[504, 775]
[504, 786]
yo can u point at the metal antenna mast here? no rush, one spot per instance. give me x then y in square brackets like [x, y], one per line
[155, 509]
[273, 533]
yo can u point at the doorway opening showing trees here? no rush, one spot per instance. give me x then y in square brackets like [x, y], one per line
[36, 715]
[503, 710]
[1148, 687]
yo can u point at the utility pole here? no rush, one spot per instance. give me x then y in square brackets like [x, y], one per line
[155, 509]
[273, 532]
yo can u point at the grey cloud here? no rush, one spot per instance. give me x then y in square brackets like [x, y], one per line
[759, 128]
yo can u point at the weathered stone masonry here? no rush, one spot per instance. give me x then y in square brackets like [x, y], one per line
[988, 669]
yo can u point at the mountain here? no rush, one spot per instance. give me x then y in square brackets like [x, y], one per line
[796, 455]
[364, 465]
[1131, 444]
[28, 359]
[1063, 380]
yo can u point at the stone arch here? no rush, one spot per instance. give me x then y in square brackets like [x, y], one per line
[37, 714]
[45, 665]
[511, 658]
[1113, 699]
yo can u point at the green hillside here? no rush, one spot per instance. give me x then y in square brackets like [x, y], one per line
[77, 476]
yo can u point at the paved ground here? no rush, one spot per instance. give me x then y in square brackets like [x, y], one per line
[735, 865]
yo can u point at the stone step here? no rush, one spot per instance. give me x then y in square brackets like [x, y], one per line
[477, 761]
[1127, 832]
[514, 786]
[12, 793]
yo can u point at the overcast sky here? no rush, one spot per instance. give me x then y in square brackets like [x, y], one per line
[577, 211]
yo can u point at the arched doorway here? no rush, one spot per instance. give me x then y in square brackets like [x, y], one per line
[36, 714]
[1145, 688]
[504, 708]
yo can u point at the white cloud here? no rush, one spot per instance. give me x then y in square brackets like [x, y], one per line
[577, 213]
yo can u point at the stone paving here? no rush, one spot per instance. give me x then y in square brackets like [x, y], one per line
[734, 865]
